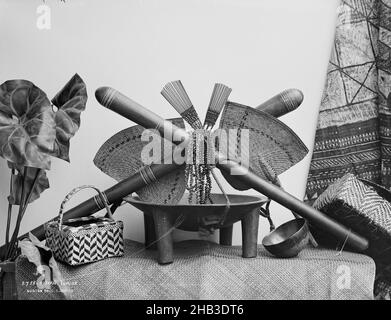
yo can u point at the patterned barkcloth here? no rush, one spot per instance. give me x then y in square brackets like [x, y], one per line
[204, 270]
[354, 125]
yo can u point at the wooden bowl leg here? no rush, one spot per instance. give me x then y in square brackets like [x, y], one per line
[250, 234]
[226, 236]
[149, 231]
[163, 229]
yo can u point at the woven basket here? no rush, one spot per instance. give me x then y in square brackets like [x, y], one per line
[365, 207]
[84, 240]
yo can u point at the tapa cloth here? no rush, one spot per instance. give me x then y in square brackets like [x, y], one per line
[354, 126]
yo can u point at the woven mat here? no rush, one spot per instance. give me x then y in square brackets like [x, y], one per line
[204, 270]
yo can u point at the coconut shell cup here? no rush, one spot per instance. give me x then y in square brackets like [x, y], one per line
[288, 239]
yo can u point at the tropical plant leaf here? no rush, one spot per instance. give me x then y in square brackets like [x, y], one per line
[70, 101]
[6, 90]
[17, 182]
[31, 252]
[27, 127]
[48, 258]
[59, 280]
[40, 255]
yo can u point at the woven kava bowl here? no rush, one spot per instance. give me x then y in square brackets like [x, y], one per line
[194, 214]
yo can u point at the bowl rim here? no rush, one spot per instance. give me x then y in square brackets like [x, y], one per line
[302, 220]
[253, 200]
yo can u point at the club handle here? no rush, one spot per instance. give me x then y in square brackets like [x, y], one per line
[144, 117]
[114, 194]
[314, 216]
[132, 110]
[282, 103]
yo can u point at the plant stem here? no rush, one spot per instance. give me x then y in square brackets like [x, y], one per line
[22, 208]
[12, 242]
[7, 231]
[9, 216]
[35, 181]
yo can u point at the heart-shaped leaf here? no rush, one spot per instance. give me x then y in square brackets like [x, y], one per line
[70, 101]
[17, 182]
[27, 127]
[42, 257]
[6, 90]
[31, 252]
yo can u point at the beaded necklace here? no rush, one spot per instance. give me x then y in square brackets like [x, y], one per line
[198, 168]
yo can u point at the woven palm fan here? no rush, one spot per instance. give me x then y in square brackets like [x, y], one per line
[272, 147]
[120, 157]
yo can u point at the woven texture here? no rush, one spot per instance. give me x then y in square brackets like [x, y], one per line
[272, 147]
[120, 157]
[204, 270]
[354, 124]
[85, 243]
[358, 206]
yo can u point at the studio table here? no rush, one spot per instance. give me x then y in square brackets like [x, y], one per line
[205, 270]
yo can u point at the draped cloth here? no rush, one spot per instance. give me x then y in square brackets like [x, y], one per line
[353, 133]
[354, 125]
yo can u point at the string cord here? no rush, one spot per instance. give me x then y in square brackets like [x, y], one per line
[344, 243]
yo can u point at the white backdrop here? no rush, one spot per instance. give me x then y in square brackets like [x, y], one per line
[257, 47]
